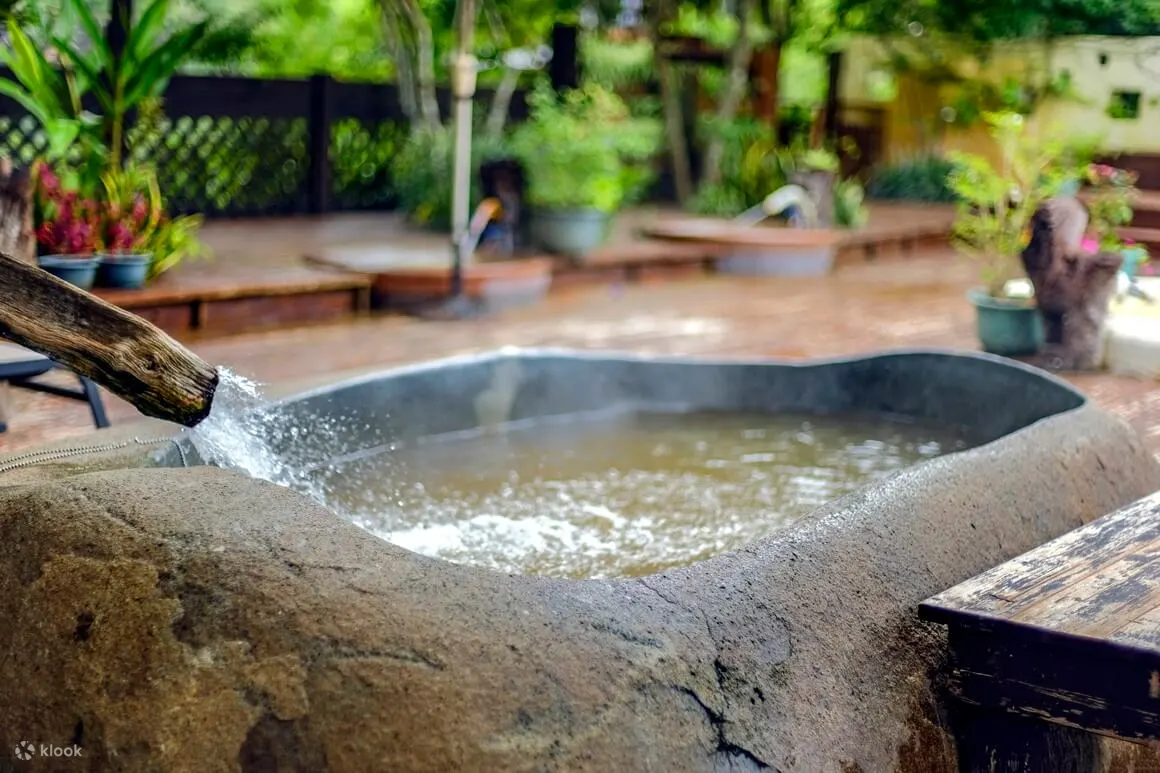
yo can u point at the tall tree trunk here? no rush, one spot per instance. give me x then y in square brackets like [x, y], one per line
[394, 30]
[675, 131]
[739, 61]
[501, 102]
[675, 135]
[767, 84]
[425, 65]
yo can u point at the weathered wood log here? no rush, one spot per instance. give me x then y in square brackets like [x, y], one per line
[1072, 288]
[118, 350]
[16, 228]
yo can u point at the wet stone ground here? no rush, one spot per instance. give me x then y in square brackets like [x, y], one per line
[915, 301]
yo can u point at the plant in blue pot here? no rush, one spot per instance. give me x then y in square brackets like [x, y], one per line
[67, 230]
[585, 156]
[995, 203]
[130, 214]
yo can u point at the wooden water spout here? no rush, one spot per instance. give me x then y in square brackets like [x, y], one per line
[118, 350]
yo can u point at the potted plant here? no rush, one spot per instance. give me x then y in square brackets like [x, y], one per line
[118, 236]
[76, 215]
[584, 155]
[140, 241]
[130, 213]
[67, 230]
[1110, 192]
[995, 203]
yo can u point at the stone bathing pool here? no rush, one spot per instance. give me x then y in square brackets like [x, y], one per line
[275, 630]
[611, 480]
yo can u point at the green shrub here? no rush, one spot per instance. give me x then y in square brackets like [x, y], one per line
[421, 174]
[922, 178]
[585, 150]
[849, 207]
[616, 65]
[751, 167]
[996, 202]
[754, 166]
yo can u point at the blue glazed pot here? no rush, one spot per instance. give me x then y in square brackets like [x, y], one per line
[572, 232]
[79, 270]
[124, 270]
[1134, 257]
[1009, 328]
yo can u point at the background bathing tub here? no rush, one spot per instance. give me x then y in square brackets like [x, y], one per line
[247, 626]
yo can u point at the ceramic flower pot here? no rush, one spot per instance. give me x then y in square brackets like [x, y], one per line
[572, 232]
[124, 270]
[1009, 327]
[79, 270]
[1135, 256]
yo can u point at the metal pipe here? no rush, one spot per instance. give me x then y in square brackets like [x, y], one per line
[463, 77]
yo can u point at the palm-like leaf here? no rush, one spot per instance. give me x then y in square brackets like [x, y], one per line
[33, 71]
[21, 96]
[90, 72]
[147, 31]
[47, 93]
[150, 76]
[102, 54]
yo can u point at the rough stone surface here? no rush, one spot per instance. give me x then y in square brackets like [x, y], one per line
[195, 620]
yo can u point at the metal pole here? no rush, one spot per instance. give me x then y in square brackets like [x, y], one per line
[463, 78]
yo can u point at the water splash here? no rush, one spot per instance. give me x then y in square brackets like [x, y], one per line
[286, 445]
[237, 434]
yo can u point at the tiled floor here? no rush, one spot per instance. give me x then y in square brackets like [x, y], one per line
[911, 302]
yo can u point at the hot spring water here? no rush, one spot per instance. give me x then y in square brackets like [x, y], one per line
[617, 494]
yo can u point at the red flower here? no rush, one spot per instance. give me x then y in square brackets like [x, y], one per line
[48, 181]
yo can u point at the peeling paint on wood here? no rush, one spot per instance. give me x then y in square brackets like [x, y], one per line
[1068, 633]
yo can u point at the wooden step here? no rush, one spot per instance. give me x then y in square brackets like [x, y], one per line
[1145, 207]
[1147, 201]
[1149, 237]
[227, 301]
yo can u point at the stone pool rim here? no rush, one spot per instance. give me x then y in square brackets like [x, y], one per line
[518, 353]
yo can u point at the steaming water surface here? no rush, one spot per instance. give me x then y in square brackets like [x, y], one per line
[618, 495]
[625, 496]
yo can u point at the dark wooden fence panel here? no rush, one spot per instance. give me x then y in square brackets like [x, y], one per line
[232, 146]
[864, 127]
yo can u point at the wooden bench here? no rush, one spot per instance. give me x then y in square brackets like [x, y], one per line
[20, 367]
[1059, 646]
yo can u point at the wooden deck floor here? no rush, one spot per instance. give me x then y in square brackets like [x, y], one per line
[266, 274]
[866, 306]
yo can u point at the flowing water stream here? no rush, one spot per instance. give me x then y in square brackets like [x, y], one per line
[616, 494]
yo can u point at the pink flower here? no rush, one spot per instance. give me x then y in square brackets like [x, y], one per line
[1090, 245]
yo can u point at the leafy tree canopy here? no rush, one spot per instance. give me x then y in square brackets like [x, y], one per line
[989, 20]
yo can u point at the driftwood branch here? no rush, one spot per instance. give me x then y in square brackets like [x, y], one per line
[118, 350]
